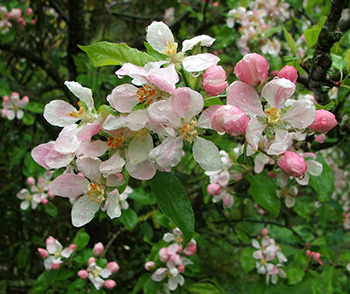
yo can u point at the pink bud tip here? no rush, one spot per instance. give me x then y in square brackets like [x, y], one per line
[214, 189]
[44, 201]
[252, 69]
[33, 22]
[320, 262]
[51, 195]
[317, 256]
[25, 99]
[5, 99]
[149, 265]
[214, 80]
[264, 231]
[83, 274]
[110, 284]
[289, 72]
[14, 95]
[30, 181]
[308, 253]
[261, 211]
[29, 11]
[10, 15]
[55, 266]
[320, 138]
[50, 240]
[43, 253]
[292, 164]
[113, 266]
[91, 260]
[181, 268]
[73, 247]
[98, 248]
[324, 121]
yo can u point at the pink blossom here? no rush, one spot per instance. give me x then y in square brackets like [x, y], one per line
[83, 274]
[14, 107]
[98, 248]
[289, 72]
[91, 260]
[113, 266]
[264, 231]
[43, 253]
[252, 69]
[149, 265]
[44, 201]
[56, 266]
[292, 164]
[110, 284]
[308, 253]
[320, 138]
[324, 121]
[214, 80]
[97, 274]
[214, 189]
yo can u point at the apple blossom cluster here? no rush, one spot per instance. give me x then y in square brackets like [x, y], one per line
[39, 192]
[253, 22]
[314, 256]
[96, 274]
[172, 261]
[54, 254]
[269, 257]
[14, 17]
[13, 106]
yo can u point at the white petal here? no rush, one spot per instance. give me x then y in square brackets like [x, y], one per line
[204, 39]
[84, 94]
[113, 209]
[301, 114]
[314, 167]
[206, 154]
[281, 143]
[168, 237]
[56, 113]
[277, 91]
[90, 167]
[24, 205]
[66, 253]
[112, 165]
[254, 132]
[105, 273]
[84, 211]
[123, 98]
[199, 62]
[158, 35]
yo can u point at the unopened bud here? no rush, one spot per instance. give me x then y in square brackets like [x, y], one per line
[73, 247]
[43, 253]
[308, 253]
[214, 189]
[110, 284]
[56, 266]
[292, 164]
[83, 274]
[214, 80]
[324, 121]
[44, 201]
[264, 231]
[30, 181]
[181, 268]
[113, 266]
[29, 11]
[149, 265]
[98, 248]
[289, 72]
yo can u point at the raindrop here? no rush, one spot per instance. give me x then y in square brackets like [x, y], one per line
[195, 74]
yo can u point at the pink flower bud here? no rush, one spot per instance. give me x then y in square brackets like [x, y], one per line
[308, 253]
[110, 284]
[149, 265]
[252, 69]
[6, 99]
[317, 256]
[289, 72]
[320, 138]
[83, 274]
[51, 195]
[56, 266]
[313, 253]
[214, 80]
[98, 248]
[30, 181]
[15, 13]
[261, 211]
[14, 95]
[113, 266]
[191, 248]
[25, 99]
[163, 254]
[320, 262]
[21, 21]
[181, 268]
[91, 260]
[264, 231]
[214, 189]
[230, 119]
[73, 247]
[324, 121]
[29, 11]
[43, 253]
[292, 164]
[44, 201]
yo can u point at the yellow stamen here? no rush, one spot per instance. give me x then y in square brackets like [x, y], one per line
[146, 94]
[189, 131]
[15, 107]
[81, 114]
[179, 239]
[273, 115]
[95, 193]
[171, 49]
[95, 272]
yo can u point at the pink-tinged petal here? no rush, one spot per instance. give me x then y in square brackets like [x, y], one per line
[140, 148]
[245, 97]
[261, 269]
[199, 62]
[54, 246]
[86, 131]
[278, 91]
[10, 114]
[164, 78]
[67, 141]
[180, 279]
[168, 237]
[57, 160]
[172, 283]
[23, 194]
[67, 252]
[57, 113]
[314, 167]
[173, 248]
[158, 35]
[24, 205]
[283, 140]
[69, 185]
[162, 112]
[187, 103]
[206, 154]
[159, 274]
[282, 273]
[259, 162]
[141, 171]
[123, 98]
[303, 182]
[112, 122]
[112, 165]
[204, 120]
[167, 154]
[137, 73]
[105, 273]
[267, 241]
[204, 39]
[256, 244]
[254, 132]
[97, 281]
[89, 166]
[83, 211]
[115, 180]
[94, 148]
[19, 113]
[39, 153]
[84, 94]
[137, 120]
[113, 208]
[301, 114]
[258, 255]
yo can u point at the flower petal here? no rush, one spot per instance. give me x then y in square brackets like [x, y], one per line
[83, 211]
[69, 185]
[206, 154]
[199, 62]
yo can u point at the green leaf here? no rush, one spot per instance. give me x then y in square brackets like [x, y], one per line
[151, 287]
[51, 209]
[35, 107]
[290, 40]
[263, 190]
[105, 53]
[47, 278]
[129, 219]
[17, 155]
[81, 239]
[28, 119]
[330, 278]
[203, 288]
[23, 256]
[302, 207]
[154, 53]
[272, 31]
[323, 184]
[338, 62]
[294, 275]
[139, 194]
[140, 282]
[328, 106]
[173, 201]
[311, 35]
[347, 59]
[247, 260]
[77, 284]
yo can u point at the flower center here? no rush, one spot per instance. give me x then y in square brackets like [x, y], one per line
[189, 131]
[95, 272]
[146, 94]
[28, 198]
[117, 140]
[57, 253]
[15, 107]
[273, 115]
[179, 239]
[81, 114]
[95, 193]
[171, 49]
